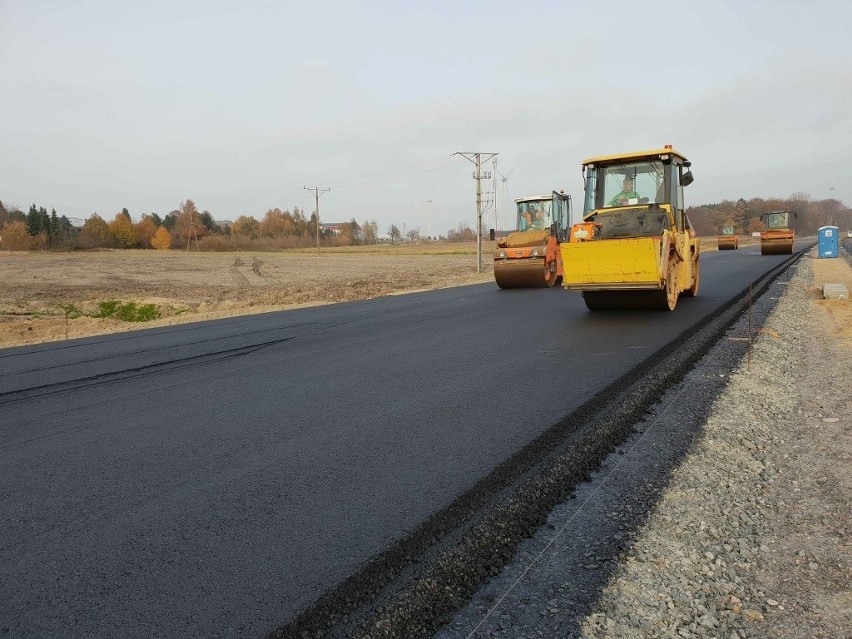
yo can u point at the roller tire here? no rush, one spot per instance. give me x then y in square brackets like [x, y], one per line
[667, 297]
[692, 291]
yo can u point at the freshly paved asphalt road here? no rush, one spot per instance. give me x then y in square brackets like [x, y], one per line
[213, 479]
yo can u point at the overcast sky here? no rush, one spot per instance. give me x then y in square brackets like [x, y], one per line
[106, 104]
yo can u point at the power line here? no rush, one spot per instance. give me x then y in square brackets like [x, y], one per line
[395, 174]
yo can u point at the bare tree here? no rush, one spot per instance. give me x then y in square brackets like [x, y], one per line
[370, 231]
[189, 224]
[394, 233]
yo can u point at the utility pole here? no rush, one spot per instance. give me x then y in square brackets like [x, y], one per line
[477, 159]
[496, 210]
[317, 191]
[191, 231]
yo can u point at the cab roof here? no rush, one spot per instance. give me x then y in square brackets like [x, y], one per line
[534, 198]
[635, 155]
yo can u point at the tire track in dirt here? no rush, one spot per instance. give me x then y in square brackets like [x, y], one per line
[247, 275]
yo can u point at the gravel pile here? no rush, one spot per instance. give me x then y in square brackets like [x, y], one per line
[679, 533]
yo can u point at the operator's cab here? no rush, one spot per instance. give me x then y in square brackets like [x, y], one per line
[638, 194]
[542, 212]
[777, 220]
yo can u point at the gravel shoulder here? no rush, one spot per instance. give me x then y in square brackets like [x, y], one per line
[726, 514]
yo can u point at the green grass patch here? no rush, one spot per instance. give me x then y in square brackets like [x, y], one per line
[127, 312]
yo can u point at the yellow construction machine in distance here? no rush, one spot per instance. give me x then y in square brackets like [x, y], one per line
[529, 256]
[635, 248]
[778, 237]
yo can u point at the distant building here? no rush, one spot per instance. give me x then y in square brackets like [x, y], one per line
[336, 228]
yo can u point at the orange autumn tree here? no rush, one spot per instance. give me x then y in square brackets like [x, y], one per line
[123, 231]
[162, 240]
[146, 229]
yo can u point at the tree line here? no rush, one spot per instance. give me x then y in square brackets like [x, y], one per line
[187, 227]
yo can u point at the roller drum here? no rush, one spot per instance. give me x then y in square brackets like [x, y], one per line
[776, 247]
[524, 274]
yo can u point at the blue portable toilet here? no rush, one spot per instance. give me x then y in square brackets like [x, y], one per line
[829, 241]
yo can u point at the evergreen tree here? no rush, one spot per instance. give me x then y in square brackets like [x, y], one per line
[44, 224]
[33, 221]
[53, 233]
[67, 232]
[208, 221]
[171, 220]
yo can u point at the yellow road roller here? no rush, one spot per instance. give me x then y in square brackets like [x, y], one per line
[727, 239]
[778, 237]
[529, 256]
[635, 248]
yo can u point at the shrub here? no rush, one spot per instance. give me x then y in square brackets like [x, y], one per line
[214, 243]
[14, 237]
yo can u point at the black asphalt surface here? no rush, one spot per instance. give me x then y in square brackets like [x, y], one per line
[213, 479]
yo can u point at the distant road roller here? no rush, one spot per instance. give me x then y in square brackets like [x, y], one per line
[778, 237]
[727, 239]
[529, 257]
[635, 248]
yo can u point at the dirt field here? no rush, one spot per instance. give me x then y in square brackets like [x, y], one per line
[37, 288]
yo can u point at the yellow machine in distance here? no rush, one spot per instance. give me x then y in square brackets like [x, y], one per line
[778, 237]
[529, 257]
[727, 239]
[635, 248]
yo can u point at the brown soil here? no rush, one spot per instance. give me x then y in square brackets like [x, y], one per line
[836, 315]
[37, 288]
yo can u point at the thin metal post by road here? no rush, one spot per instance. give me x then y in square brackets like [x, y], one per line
[477, 159]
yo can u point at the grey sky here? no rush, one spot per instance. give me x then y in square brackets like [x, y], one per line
[238, 105]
